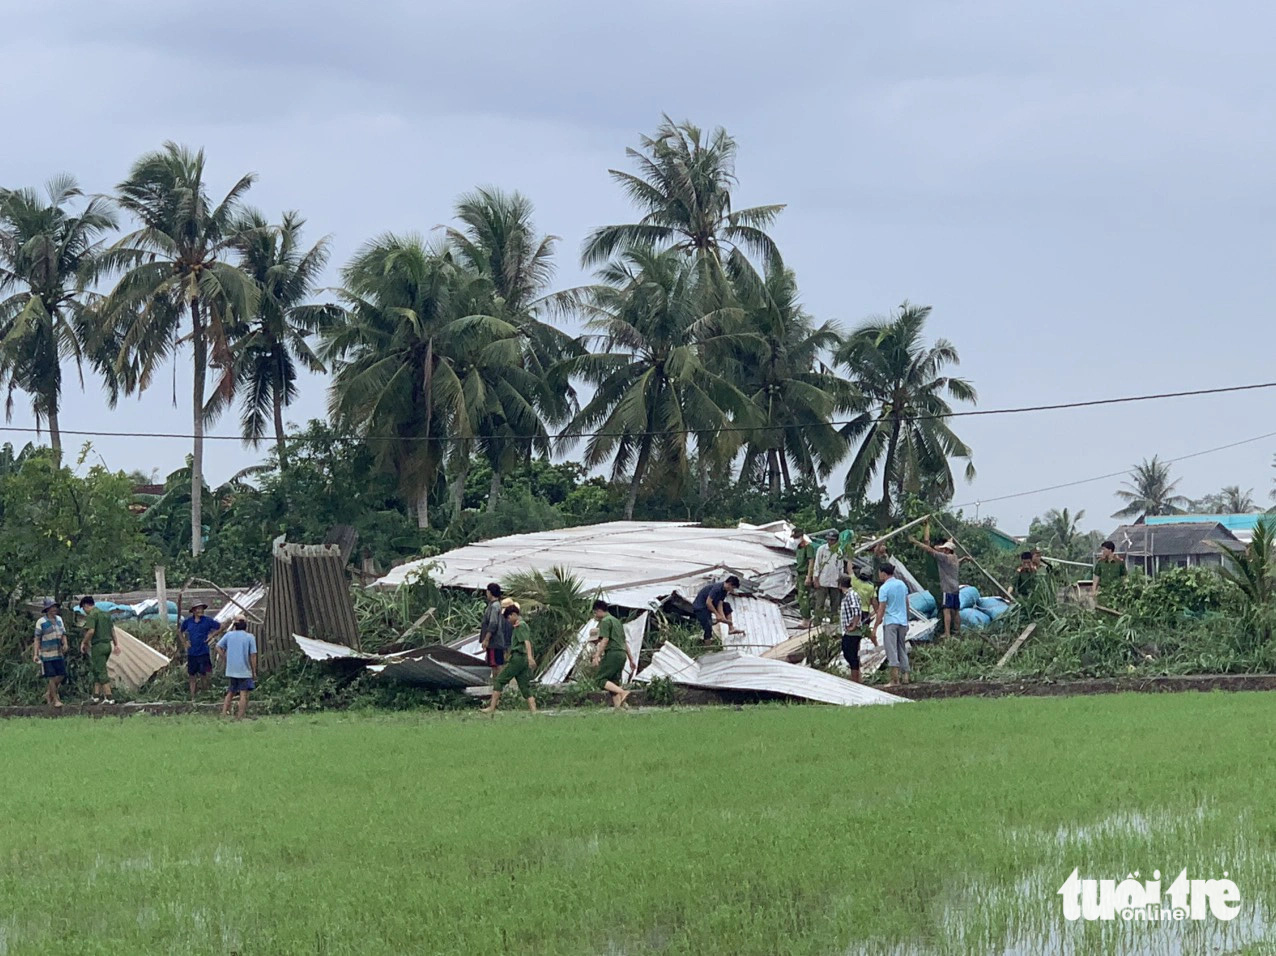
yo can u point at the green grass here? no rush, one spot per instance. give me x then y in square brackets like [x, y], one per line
[929, 827]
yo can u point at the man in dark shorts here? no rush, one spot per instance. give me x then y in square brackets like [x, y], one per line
[851, 617]
[949, 566]
[238, 649]
[492, 632]
[611, 652]
[710, 607]
[521, 663]
[49, 651]
[99, 640]
[197, 634]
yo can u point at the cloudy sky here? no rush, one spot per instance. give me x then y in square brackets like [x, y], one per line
[1081, 191]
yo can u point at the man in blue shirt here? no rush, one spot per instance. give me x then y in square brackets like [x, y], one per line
[892, 617]
[711, 607]
[195, 633]
[238, 649]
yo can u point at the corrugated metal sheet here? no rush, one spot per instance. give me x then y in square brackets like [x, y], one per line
[614, 556]
[763, 624]
[433, 666]
[561, 667]
[310, 596]
[731, 670]
[135, 662]
[241, 602]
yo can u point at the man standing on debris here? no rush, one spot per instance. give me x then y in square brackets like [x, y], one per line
[238, 649]
[611, 653]
[803, 567]
[710, 607]
[197, 634]
[851, 618]
[892, 617]
[49, 651]
[521, 664]
[1108, 570]
[828, 571]
[949, 566]
[1025, 576]
[492, 632]
[99, 640]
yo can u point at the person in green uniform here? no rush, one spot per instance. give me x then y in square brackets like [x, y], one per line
[519, 665]
[99, 640]
[611, 652]
[803, 559]
[1025, 576]
[1108, 570]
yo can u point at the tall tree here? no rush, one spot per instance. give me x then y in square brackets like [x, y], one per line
[415, 363]
[1230, 500]
[1059, 531]
[179, 264]
[780, 363]
[651, 388]
[683, 188]
[48, 253]
[498, 239]
[1150, 491]
[275, 344]
[902, 408]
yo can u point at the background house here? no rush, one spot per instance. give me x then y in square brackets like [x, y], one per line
[1240, 525]
[1156, 547]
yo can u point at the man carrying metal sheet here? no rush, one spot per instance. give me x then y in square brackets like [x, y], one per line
[99, 640]
[711, 608]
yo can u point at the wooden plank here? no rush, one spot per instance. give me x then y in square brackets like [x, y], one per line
[1019, 642]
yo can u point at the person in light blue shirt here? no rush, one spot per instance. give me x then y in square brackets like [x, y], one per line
[238, 649]
[892, 618]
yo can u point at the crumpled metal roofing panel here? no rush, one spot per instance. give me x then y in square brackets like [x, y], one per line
[615, 555]
[731, 670]
[135, 663]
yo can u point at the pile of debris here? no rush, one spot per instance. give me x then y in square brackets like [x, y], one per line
[654, 568]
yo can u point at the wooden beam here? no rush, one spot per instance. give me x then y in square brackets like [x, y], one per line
[418, 622]
[1019, 641]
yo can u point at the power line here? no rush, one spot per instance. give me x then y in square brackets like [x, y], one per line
[576, 435]
[1113, 474]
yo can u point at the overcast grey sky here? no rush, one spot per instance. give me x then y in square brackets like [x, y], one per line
[1082, 191]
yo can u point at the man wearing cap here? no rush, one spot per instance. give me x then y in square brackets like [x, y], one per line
[949, 581]
[197, 633]
[828, 572]
[99, 640]
[49, 650]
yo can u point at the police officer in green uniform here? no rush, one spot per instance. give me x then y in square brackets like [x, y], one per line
[611, 652]
[803, 556]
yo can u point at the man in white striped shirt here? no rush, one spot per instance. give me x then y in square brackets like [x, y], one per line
[851, 616]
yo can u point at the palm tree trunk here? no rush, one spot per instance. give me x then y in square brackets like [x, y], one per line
[458, 488]
[887, 467]
[784, 470]
[640, 468]
[280, 443]
[55, 431]
[423, 508]
[773, 472]
[494, 489]
[200, 347]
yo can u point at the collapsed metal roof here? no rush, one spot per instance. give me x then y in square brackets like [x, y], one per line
[633, 563]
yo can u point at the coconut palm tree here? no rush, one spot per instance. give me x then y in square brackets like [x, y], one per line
[179, 264]
[1150, 491]
[1060, 532]
[683, 188]
[780, 365]
[1253, 572]
[900, 422]
[275, 343]
[414, 365]
[651, 387]
[498, 240]
[1230, 500]
[48, 252]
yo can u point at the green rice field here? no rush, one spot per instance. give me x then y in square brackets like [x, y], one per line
[939, 827]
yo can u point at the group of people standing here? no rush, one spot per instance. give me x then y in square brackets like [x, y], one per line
[507, 646]
[196, 633]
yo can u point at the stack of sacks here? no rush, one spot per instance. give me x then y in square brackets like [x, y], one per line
[968, 595]
[971, 614]
[994, 607]
[923, 602]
